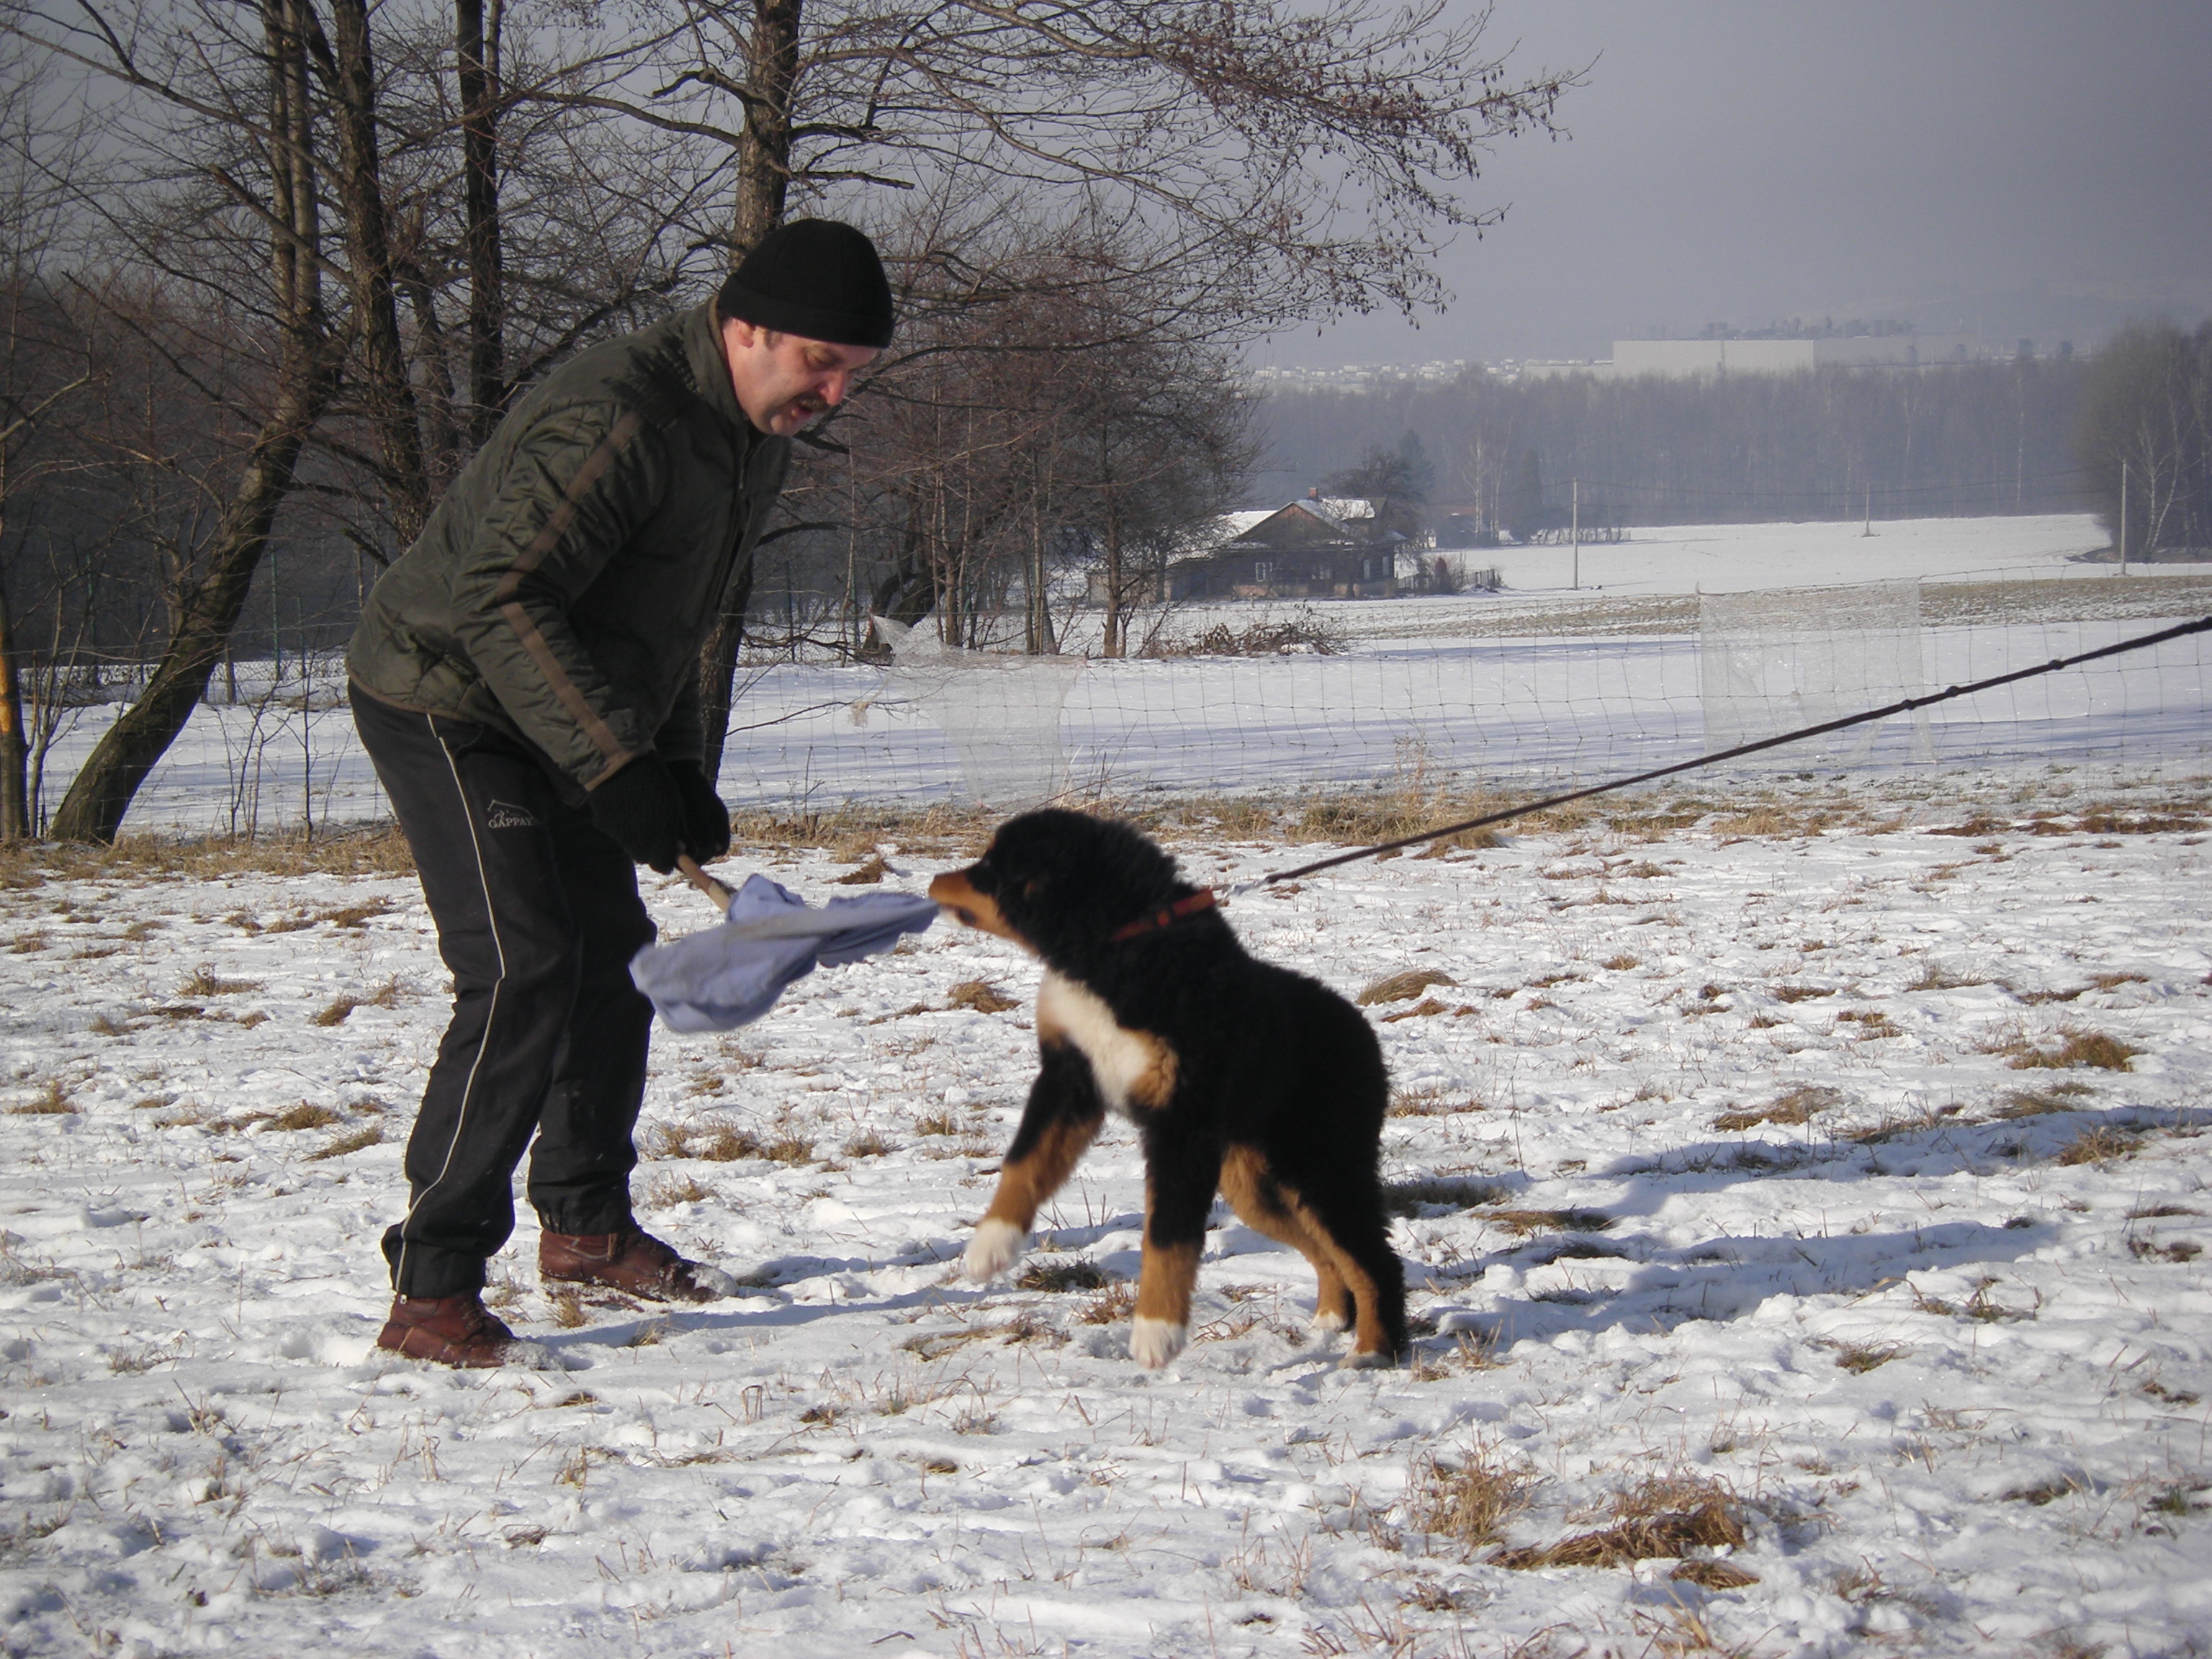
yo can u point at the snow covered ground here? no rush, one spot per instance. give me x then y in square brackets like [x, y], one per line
[1736, 558]
[1782, 1172]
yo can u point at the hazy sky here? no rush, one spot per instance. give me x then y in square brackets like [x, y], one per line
[2039, 167]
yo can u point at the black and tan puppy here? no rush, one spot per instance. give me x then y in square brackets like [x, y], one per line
[1241, 1077]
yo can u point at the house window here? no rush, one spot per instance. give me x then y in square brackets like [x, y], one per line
[1262, 571]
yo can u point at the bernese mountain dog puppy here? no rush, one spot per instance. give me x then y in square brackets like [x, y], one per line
[1240, 1076]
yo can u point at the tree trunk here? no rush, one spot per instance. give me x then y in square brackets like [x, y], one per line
[14, 750]
[352, 73]
[476, 35]
[718, 668]
[763, 181]
[312, 358]
[102, 792]
[764, 152]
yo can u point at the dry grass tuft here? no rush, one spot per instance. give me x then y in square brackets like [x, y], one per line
[981, 997]
[206, 982]
[1523, 1223]
[851, 831]
[670, 1189]
[870, 873]
[1619, 965]
[568, 1308]
[1403, 988]
[1708, 1574]
[1471, 1500]
[52, 1100]
[306, 1116]
[355, 916]
[358, 1141]
[2080, 1049]
[336, 1014]
[789, 1149]
[1859, 1357]
[1943, 979]
[718, 1141]
[1426, 1008]
[2046, 1491]
[1111, 1305]
[1060, 1276]
[1873, 1023]
[2099, 1146]
[378, 851]
[2037, 1103]
[1666, 1515]
[1795, 1107]
[1801, 992]
[1408, 1198]
[1433, 1100]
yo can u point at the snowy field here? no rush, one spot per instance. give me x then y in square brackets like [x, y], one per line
[1734, 558]
[1804, 1200]
[1532, 684]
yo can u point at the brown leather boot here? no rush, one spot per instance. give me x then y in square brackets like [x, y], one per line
[631, 1261]
[457, 1330]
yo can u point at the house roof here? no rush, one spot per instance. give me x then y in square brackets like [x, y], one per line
[1337, 516]
[1349, 516]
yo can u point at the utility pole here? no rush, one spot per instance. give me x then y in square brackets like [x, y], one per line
[2124, 517]
[1575, 519]
[1869, 531]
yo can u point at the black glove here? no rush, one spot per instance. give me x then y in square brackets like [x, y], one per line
[706, 820]
[642, 808]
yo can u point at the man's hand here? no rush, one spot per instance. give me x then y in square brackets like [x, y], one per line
[642, 808]
[706, 819]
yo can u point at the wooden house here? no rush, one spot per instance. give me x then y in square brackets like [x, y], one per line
[1317, 548]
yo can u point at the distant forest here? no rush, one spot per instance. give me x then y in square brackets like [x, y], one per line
[1829, 443]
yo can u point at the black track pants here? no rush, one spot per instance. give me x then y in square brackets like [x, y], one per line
[537, 916]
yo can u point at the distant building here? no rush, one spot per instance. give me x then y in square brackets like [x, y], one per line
[1684, 360]
[1318, 547]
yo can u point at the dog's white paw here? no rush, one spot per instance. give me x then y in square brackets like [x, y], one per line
[1380, 1359]
[996, 1247]
[1154, 1342]
[1327, 1324]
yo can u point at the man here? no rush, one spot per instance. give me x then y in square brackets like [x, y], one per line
[525, 680]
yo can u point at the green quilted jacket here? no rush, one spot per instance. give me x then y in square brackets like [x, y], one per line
[563, 588]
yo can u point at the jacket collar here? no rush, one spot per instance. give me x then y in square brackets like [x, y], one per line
[710, 369]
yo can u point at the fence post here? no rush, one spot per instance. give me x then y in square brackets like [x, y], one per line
[2124, 517]
[1574, 532]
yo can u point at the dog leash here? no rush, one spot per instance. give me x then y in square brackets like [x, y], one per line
[1906, 706]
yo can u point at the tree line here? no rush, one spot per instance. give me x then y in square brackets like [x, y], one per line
[2145, 439]
[1829, 443]
[273, 271]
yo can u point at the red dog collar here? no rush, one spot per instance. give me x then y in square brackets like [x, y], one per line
[1166, 916]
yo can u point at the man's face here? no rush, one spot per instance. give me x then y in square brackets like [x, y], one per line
[784, 380]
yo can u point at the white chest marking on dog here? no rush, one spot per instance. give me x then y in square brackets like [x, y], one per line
[1120, 1059]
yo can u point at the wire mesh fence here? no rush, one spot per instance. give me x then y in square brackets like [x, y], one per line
[1520, 692]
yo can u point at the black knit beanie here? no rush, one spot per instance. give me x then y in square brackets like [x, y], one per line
[816, 278]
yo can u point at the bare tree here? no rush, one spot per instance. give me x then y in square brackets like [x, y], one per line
[317, 203]
[2148, 408]
[1256, 164]
[44, 364]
